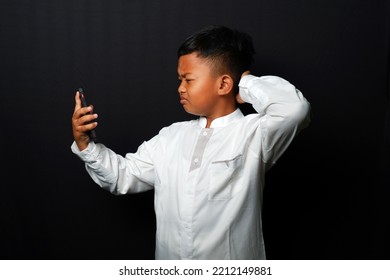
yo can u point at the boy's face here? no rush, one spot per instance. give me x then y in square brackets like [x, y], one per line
[198, 87]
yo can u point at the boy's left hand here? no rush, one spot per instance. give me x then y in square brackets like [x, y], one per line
[238, 97]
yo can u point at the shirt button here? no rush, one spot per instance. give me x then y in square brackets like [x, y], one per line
[205, 133]
[196, 160]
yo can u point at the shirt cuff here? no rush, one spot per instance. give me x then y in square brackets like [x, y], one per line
[244, 85]
[87, 154]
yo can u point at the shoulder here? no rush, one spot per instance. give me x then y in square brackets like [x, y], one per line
[177, 127]
[169, 137]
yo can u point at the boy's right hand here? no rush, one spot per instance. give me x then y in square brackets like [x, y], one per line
[83, 120]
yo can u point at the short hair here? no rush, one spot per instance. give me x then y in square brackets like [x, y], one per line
[228, 51]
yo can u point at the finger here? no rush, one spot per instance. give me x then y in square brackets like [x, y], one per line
[77, 101]
[82, 130]
[79, 112]
[245, 73]
[239, 99]
[80, 119]
[91, 125]
[86, 119]
[87, 127]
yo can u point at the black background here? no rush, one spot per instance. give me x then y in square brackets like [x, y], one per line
[327, 198]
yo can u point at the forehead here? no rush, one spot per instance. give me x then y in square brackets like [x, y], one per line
[190, 63]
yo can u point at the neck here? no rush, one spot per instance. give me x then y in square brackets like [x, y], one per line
[223, 113]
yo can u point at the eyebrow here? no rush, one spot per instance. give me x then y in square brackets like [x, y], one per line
[183, 75]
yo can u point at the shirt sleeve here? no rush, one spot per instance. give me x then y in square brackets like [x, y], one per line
[282, 111]
[117, 174]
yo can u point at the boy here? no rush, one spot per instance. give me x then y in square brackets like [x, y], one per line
[208, 173]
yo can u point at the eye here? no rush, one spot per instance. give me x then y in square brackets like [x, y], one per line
[186, 80]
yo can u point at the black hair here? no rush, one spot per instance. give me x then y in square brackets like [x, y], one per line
[226, 49]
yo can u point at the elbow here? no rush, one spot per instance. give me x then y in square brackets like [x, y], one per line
[305, 110]
[111, 188]
[299, 115]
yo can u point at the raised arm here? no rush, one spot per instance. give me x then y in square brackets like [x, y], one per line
[282, 112]
[115, 173]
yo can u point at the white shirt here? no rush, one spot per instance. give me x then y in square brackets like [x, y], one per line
[209, 182]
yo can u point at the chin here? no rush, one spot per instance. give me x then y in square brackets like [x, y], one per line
[193, 113]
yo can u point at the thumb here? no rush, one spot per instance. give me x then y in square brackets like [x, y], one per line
[239, 99]
[77, 101]
[247, 72]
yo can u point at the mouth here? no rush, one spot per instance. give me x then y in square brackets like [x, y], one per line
[183, 100]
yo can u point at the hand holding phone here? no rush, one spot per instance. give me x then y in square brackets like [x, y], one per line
[92, 133]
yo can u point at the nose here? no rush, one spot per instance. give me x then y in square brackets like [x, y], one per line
[181, 89]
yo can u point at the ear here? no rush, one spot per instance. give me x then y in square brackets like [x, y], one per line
[225, 84]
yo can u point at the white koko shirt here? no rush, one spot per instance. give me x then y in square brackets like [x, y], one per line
[208, 182]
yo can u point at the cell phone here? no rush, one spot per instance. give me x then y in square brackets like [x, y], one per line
[92, 133]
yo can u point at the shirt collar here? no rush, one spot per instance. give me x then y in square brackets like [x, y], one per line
[222, 121]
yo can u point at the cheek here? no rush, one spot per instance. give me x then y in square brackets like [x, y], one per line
[199, 89]
[197, 95]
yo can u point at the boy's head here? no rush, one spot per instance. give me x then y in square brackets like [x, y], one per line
[227, 51]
